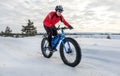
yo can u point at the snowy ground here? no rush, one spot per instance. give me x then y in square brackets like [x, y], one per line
[22, 57]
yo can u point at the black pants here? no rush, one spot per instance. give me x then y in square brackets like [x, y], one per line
[51, 32]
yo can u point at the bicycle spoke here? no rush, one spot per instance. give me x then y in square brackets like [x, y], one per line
[70, 53]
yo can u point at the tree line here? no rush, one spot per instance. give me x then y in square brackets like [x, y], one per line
[28, 30]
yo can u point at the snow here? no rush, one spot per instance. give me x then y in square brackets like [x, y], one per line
[23, 57]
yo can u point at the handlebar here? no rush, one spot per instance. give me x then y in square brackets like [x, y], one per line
[62, 28]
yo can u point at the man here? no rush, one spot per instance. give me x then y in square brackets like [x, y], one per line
[49, 23]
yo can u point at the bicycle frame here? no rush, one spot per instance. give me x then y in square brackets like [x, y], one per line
[60, 38]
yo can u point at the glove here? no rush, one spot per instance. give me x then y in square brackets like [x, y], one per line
[54, 28]
[70, 27]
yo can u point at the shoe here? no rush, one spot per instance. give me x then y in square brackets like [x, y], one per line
[55, 49]
[50, 48]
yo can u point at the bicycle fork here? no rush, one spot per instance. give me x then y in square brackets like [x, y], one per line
[67, 49]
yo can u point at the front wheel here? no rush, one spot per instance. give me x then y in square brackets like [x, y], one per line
[70, 52]
[44, 47]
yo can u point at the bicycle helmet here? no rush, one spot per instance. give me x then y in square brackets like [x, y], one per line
[59, 8]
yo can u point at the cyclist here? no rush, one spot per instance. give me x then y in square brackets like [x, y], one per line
[49, 23]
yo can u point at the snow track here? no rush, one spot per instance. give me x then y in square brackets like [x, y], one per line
[22, 57]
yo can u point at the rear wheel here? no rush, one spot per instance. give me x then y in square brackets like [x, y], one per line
[44, 48]
[70, 52]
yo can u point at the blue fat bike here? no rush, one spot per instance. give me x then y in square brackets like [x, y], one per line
[70, 50]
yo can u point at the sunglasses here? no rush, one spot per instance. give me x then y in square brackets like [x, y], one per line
[60, 11]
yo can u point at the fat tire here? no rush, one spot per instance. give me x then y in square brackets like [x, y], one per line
[77, 49]
[44, 51]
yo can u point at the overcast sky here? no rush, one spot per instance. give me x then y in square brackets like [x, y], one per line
[83, 15]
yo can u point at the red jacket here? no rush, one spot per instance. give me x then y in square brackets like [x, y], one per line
[52, 18]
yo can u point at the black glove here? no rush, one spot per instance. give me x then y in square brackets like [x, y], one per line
[70, 27]
[54, 28]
